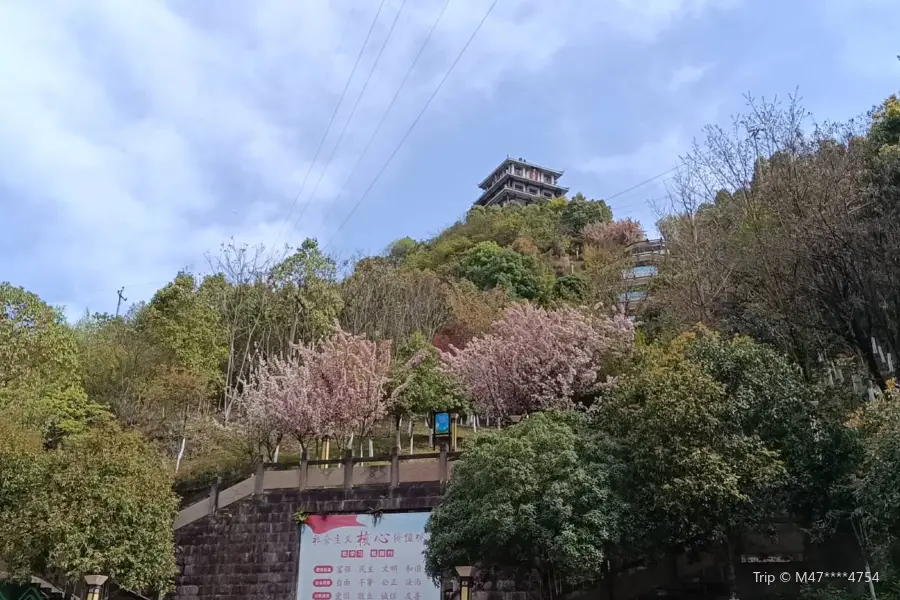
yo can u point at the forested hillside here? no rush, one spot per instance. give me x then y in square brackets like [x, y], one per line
[738, 392]
[174, 368]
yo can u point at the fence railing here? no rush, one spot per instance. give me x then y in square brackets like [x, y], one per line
[346, 472]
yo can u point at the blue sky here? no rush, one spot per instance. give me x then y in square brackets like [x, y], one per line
[137, 136]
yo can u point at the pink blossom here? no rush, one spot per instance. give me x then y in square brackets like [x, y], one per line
[534, 359]
[614, 234]
[335, 390]
[347, 374]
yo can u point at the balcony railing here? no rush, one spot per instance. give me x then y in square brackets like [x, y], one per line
[347, 472]
[640, 272]
[632, 296]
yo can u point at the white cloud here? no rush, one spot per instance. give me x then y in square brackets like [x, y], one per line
[134, 136]
[686, 76]
[657, 155]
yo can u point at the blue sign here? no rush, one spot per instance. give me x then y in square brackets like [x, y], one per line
[442, 423]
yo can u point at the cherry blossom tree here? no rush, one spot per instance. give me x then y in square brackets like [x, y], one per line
[613, 234]
[347, 375]
[535, 359]
[335, 390]
[277, 401]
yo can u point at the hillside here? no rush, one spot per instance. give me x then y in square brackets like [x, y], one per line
[738, 393]
[173, 368]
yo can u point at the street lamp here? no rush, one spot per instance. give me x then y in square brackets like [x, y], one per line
[465, 581]
[94, 586]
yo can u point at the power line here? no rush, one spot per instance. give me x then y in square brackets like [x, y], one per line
[333, 115]
[352, 112]
[627, 206]
[387, 111]
[643, 183]
[415, 121]
[463, 214]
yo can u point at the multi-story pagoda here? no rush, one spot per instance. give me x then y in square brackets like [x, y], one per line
[518, 181]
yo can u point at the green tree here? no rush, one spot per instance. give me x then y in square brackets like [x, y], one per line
[535, 497]
[489, 265]
[106, 346]
[579, 212]
[537, 222]
[877, 489]
[161, 364]
[22, 506]
[398, 251]
[803, 422]
[39, 367]
[885, 127]
[428, 387]
[112, 509]
[117, 363]
[307, 292]
[385, 302]
[185, 324]
[691, 476]
[571, 288]
[472, 313]
[101, 502]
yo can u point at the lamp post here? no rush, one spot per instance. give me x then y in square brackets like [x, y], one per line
[94, 586]
[454, 432]
[465, 581]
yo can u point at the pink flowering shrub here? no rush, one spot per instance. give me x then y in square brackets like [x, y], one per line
[334, 390]
[534, 359]
[347, 375]
[614, 234]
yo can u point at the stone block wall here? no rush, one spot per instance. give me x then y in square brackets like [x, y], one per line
[250, 549]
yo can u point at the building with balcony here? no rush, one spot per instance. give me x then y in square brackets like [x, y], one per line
[520, 182]
[644, 260]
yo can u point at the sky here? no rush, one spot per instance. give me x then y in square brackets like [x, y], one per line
[137, 137]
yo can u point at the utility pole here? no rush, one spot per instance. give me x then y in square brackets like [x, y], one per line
[121, 300]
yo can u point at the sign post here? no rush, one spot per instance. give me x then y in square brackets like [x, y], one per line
[441, 422]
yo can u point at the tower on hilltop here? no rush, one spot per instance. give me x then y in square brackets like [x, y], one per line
[518, 181]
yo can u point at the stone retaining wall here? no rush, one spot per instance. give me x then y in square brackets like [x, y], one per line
[250, 549]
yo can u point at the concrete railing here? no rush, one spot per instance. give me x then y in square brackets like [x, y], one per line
[347, 472]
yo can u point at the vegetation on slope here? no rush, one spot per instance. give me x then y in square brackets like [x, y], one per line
[686, 435]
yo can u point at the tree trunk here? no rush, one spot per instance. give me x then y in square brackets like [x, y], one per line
[730, 573]
[673, 566]
[180, 454]
[608, 575]
[864, 346]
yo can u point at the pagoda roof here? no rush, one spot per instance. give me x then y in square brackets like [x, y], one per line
[518, 161]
